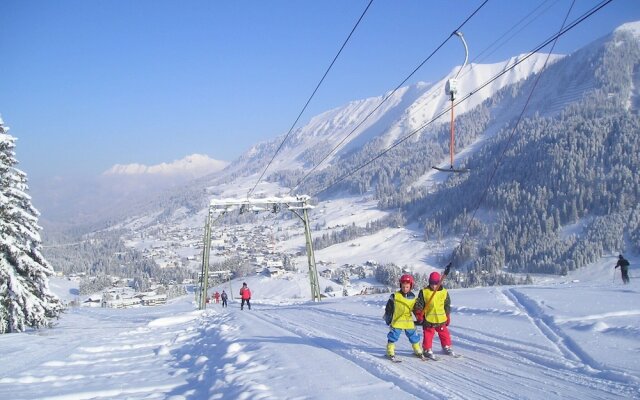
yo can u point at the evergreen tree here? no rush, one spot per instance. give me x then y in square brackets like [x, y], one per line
[25, 299]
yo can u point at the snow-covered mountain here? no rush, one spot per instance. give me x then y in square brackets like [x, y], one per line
[556, 193]
[337, 133]
[190, 167]
[403, 111]
[578, 127]
[118, 190]
[573, 337]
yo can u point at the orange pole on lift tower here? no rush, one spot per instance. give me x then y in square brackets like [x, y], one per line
[451, 145]
[451, 88]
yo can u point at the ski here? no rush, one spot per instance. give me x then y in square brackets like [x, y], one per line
[424, 357]
[394, 359]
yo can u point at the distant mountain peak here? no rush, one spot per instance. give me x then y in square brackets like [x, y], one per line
[633, 27]
[194, 165]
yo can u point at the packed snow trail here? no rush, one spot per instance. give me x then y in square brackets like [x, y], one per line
[524, 342]
[352, 329]
[98, 353]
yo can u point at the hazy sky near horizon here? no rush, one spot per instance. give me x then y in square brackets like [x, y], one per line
[85, 84]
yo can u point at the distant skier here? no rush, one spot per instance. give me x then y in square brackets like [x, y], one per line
[624, 268]
[245, 295]
[397, 314]
[435, 317]
[223, 296]
[216, 296]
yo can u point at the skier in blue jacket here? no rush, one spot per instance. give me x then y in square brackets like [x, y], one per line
[398, 314]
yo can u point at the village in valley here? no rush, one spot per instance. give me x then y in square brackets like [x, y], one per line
[254, 250]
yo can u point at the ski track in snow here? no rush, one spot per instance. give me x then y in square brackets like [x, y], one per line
[217, 365]
[334, 348]
[547, 328]
[442, 379]
[577, 358]
[124, 353]
[362, 354]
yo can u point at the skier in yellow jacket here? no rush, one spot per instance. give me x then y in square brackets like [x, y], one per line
[433, 311]
[398, 314]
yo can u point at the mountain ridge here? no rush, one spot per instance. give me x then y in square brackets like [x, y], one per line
[193, 166]
[573, 94]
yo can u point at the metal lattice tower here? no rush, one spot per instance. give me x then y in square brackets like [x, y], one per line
[299, 205]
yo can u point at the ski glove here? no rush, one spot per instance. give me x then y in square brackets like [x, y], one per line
[448, 320]
[419, 317]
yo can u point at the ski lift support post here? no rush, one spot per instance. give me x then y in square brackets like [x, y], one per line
[451, 89]
[299, 205]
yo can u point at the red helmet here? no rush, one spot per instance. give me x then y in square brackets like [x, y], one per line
[434, 278]
[406, 278]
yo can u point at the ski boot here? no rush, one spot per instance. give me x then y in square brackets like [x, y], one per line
[417, 350]
[428, 354]
[448, 351]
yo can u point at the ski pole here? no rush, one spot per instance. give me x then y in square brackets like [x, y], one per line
[614, 276]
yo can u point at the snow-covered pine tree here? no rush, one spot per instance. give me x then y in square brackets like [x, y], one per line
[25, 299]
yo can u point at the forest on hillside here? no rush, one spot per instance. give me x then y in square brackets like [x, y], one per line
[104, 254]
[553, 194]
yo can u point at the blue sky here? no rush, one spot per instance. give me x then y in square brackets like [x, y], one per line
[86, 84]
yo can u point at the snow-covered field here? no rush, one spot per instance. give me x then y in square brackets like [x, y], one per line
[567, 338]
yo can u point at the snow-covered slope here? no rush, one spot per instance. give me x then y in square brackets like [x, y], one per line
[566, 80]
[631, 27]
[408, 108]
[567, 338]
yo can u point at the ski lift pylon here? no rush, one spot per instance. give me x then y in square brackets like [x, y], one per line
[451, 89]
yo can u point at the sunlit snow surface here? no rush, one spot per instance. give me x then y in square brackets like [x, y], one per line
[574, 337]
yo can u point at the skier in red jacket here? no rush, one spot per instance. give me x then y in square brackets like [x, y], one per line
[245, 295]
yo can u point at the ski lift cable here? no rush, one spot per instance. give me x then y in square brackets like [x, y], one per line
[437, 89]
[451, 86]
[513, 131]
[466, 97]
[544, 44]
[477, 58]
[549, 40]
[310, 98]
[386, 98]
[451, 89]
